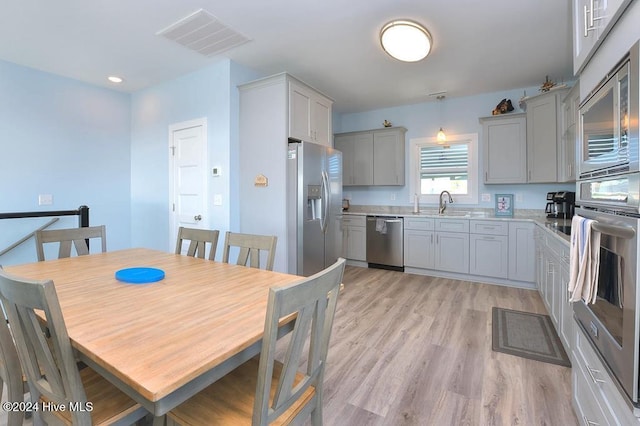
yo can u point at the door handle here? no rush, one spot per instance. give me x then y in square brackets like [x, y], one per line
[197, 217]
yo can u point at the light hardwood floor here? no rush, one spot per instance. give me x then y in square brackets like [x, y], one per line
[415, 350]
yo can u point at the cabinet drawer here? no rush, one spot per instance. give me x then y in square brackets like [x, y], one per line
[452, 225]
[354, 220]
[490, 227]
[418, 223]
[601, 383]
[586, 403]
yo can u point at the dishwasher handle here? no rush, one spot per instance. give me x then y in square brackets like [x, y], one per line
[373, 219]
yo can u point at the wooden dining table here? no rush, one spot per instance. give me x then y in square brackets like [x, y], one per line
[160, 342]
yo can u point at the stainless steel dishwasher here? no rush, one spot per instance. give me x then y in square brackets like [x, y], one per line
[385, 242]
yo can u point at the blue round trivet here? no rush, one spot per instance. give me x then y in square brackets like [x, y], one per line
[139, 275]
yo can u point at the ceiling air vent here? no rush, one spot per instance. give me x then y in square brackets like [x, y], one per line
[204, 33]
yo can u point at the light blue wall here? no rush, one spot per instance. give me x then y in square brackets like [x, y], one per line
[64, 138]
[210, 93]
[456, 116]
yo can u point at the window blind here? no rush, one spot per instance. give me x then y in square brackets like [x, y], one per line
[444, 161]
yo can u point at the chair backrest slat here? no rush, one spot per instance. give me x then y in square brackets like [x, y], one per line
[10, 371]
[198, 239]
[250, 247]
[76, 237]
[313, 300]
[38, 353]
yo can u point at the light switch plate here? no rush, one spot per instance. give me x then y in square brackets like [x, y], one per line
[45, 199]
[486, 197]
[217, 200]
[519, 197]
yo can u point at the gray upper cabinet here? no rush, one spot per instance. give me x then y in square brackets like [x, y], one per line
[592, 20]
[544, 133]
[531, 147]
[309, 114]
[388, 156]
[505, 148]
[372, 157]
[567, 147]
[357, 158]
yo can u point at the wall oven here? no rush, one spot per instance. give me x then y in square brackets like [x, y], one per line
[607, 191]
[612, 321]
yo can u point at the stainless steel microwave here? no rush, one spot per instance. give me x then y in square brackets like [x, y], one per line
[609, 122]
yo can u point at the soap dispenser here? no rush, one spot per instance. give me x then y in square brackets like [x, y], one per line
[416, 207]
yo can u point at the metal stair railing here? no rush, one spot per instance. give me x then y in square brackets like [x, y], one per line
[83, 221]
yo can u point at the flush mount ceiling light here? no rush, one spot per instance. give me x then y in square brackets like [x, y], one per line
[114, 79]
[405, 40]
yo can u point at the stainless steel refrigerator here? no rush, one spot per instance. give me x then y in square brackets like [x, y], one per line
[314, 207]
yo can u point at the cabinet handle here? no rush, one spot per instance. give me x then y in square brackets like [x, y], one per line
[569, 166]
[591, 372]
[431, 238]
[486, 176]
[591, 14]
[529, 174]
[589, 422]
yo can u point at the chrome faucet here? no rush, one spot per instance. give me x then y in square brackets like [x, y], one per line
[443, 204]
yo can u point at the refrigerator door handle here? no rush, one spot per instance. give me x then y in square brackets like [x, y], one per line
[325, 201]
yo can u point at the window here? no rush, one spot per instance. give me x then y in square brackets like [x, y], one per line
[439, 167]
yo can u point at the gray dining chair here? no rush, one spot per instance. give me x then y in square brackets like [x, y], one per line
[198, 239]
[266, 391]
[49, 363]
[250, 246]
[11, 372]
[76, 237]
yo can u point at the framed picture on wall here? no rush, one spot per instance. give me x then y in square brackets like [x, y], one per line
[504, 205]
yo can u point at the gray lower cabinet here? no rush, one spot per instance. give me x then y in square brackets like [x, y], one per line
[419, 243]
[489, 248]
[522, 251]
[354, 237]
[566, 311]
[596, 399]
[452, 245]
[552, 260]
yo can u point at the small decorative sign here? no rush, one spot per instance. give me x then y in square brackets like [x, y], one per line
[261, 180]
[504, 205]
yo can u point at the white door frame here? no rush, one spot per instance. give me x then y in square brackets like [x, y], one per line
[173, 228]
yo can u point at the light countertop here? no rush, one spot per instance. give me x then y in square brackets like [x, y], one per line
[536, 216]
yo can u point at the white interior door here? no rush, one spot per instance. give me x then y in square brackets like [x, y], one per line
[188, 171]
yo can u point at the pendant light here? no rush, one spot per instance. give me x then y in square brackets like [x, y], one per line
[405, 40]
[441, 137]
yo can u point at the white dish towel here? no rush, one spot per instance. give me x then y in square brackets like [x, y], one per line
[381, 226]
[584, 260]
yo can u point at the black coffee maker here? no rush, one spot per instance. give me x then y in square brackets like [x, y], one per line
[560, 205]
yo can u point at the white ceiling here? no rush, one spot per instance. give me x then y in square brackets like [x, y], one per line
[479, 45]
